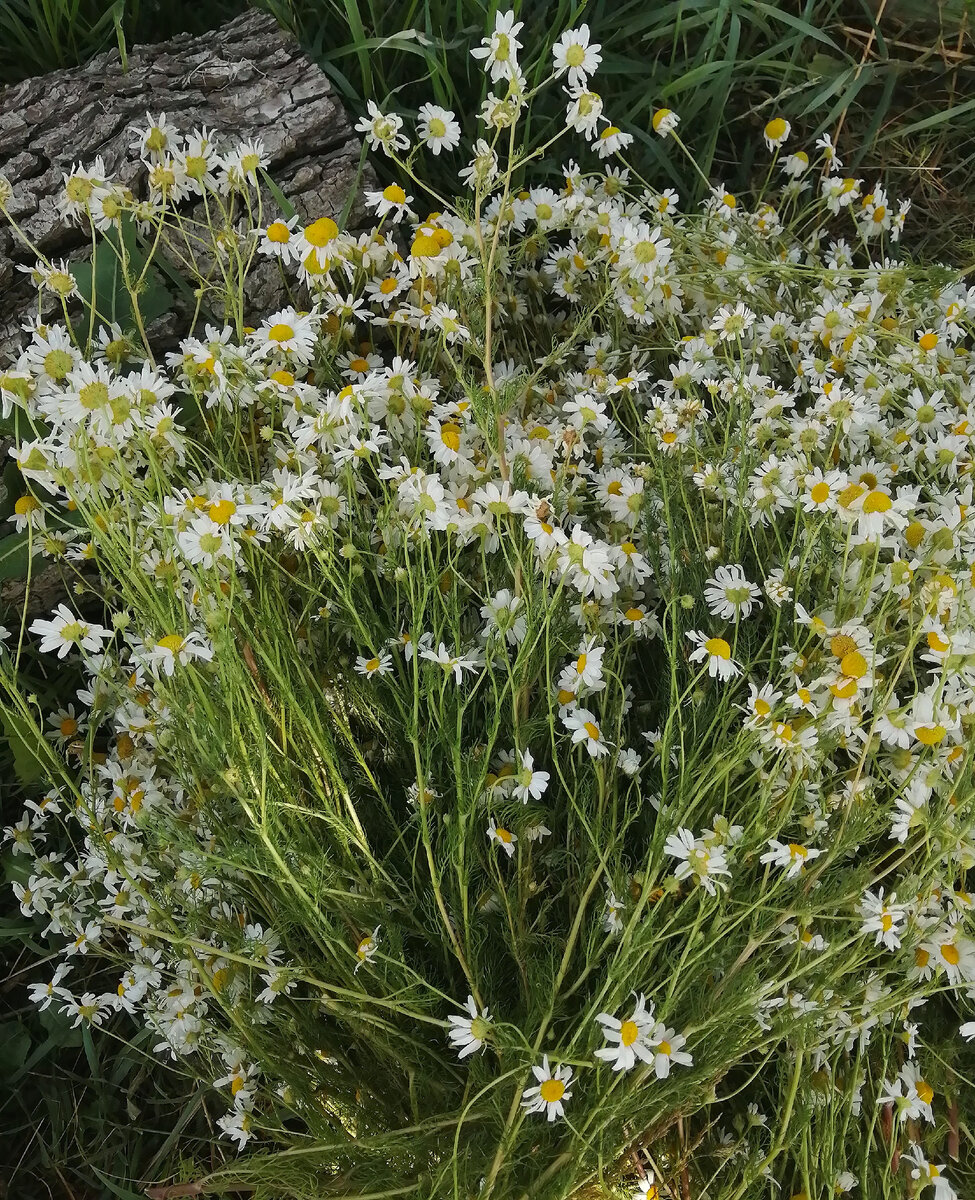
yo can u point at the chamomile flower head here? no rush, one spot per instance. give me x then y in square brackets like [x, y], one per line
[503, 837]
[392, 202]
[668, 1049]
[664, 122]
[629, 1038]
[716, 653]
[585, 730]
[383, 131]
[65, 631]
[729, 594]
[791, 857]
[574, 53]
[367, 948]
[438, 128]
[499, 51]
[470, 1030]
[776, 132]
[550, 1093]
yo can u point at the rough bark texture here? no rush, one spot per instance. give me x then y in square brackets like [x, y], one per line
[248, 79]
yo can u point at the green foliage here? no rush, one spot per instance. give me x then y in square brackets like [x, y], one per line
[105, 282]
[21, 746]
[43, 35]
[14, 556]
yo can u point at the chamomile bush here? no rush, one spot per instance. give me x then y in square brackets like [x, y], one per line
[524, 750]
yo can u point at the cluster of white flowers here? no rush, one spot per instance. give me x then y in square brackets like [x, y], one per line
[812, 399]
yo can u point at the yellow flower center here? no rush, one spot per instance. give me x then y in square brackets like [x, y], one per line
[552, 1090]
[592, 730]
[850, 493]
[930, 735]
[629, 1032]
[280, 332]
[877, 502]
[775, 129]
[78, 190]
[854, 665]
[319, 233]
[949, 952]
[842, 645]
[171, 642]
[222, 511]
[278, 232]
[819, 492]
[718, 648]
[424, 246]
[94, 395]
[394, 194]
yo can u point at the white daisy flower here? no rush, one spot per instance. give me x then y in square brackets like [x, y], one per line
[573, 52]
[729, 595]
[499, 52]
[469, 1031]
[550, 1092]
[716, 652]
[628, 1039]
[438, 128]
[503, 837]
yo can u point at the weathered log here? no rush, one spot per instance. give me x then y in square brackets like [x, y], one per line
[248, 79]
